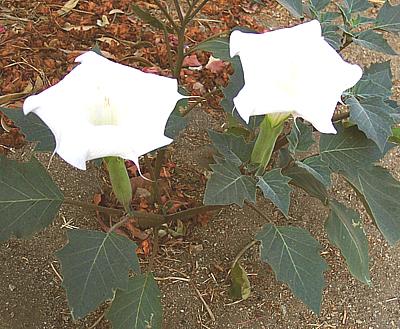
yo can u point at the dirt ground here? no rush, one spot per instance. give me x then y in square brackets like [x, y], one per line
[31, 296]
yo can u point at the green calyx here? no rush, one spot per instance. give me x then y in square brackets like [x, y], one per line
[270, 129]
[120, 181]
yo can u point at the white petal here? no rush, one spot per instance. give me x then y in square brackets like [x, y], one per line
[292, 70]
[102, 108]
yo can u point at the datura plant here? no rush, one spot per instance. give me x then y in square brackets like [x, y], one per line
[289, 86]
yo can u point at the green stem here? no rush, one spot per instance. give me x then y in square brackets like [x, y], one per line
[178, 10]
[167, 15]
[180, 51]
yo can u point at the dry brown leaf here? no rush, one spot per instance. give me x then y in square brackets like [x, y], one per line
[4, 99]
[69, 27]
[68, 6]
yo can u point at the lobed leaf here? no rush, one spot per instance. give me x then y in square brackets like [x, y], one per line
[376, 81]
[29, 199]
[275, 187]
[388, 18]
[34, 129]
[374, 41]
[318, 168]
[355, 6]
[349, 150]
[227, 185]
[294, 257]
[345, 230]
[381, 196]
[94, 264]
[300, 138]
[318, 5]
[373, 116]
[138, 306]
[233, 148]
[302, 178]
[295, 7]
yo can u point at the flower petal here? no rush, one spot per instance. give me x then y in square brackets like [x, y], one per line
[102, 108]
[292, 70]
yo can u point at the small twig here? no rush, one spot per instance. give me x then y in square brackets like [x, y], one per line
[94, 325]
[172, 278]
[210, 313]
[56, 272]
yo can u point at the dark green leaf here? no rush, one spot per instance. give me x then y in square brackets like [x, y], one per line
[388, 18]
[331, 35]
[373, 116]
[294, 256]
[374, 41]
[303, 179]
[233, 148]
[219, 47]
[381, 195]
[295, 7]
[29, 199]
[300, 137]
[345, 230]
[318, 5]
[275, 187]
[240, 284]
[348, 150]
[376, 81]
[138, 306]
[227, 185]
[357, 5]
[236, 83]
[149, 19]
[318, 168]
[94, 264]
[33, 128]
[176, 122]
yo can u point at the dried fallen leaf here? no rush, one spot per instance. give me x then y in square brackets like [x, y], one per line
[215, 65]
[191, 61]
[69, 27]
[103, 21]
[69, 5]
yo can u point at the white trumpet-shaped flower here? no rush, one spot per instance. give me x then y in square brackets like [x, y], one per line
[102, 108]
[292, 70]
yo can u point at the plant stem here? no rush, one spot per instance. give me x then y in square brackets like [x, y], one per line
[180, 51]
[155, 249]
[178, 10]
[110, 211]
[242, 251]
[190, 15]
[167, 15]
[169, 51]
